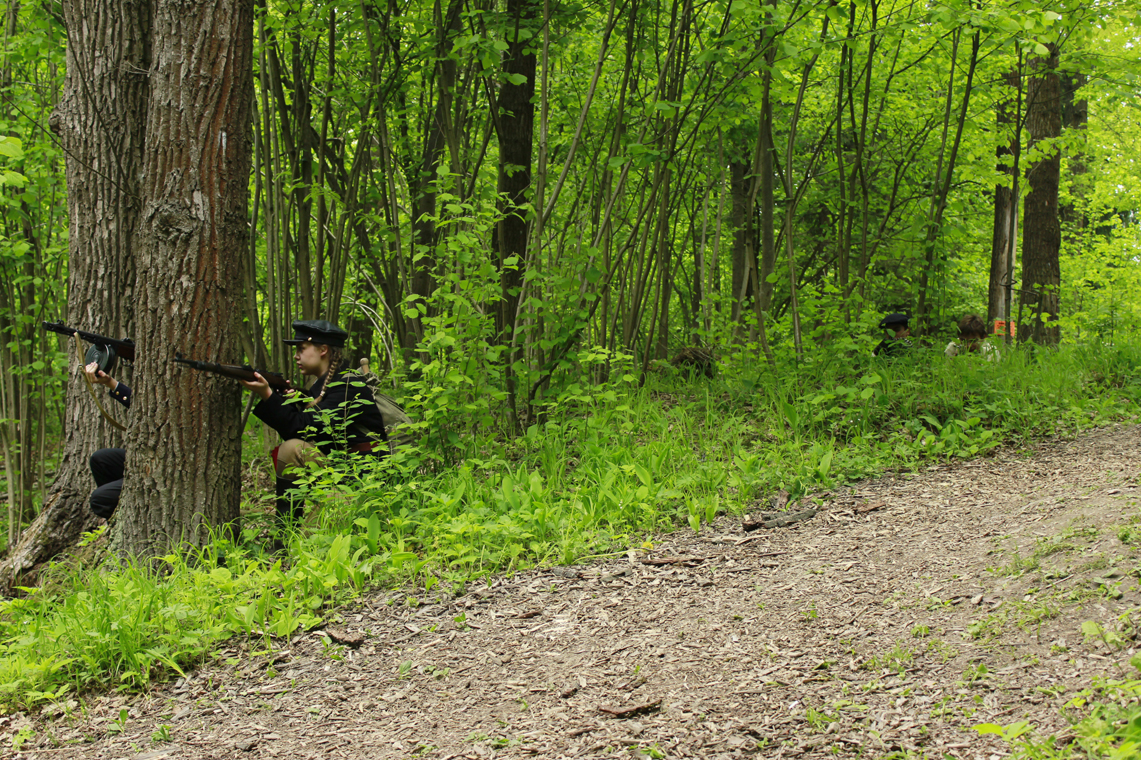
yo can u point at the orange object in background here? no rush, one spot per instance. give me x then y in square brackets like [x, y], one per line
[1000, 328]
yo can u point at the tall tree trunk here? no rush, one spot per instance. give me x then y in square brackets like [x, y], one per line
[183, 444]
[765, 168]
[843, 225]
[739, 184]
[100, 122]
[1041, 231]
[860, 172]
[1075, 116]
[308, 287]
[764, 161]
[424, 181]
[516, 119]
[17, 395]
[792, 196]
[1004, 232]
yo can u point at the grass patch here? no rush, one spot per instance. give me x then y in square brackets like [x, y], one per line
[1017, 567]
[1105, 722]
[125, 625]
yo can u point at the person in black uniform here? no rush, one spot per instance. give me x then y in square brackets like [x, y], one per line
[107, 464]
[334, 414]
[897, 323]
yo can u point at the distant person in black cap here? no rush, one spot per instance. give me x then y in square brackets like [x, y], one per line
[333, 414]
[897, 323]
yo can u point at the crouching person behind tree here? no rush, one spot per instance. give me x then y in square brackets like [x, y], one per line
[334, 414]
[107, 464]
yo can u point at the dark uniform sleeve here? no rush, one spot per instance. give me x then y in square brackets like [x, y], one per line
[290, 416]
[346, 416]
[122, 394]
[892, 347]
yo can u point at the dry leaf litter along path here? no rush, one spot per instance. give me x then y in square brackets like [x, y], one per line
[908, 610]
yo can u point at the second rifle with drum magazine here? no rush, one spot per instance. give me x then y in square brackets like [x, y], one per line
[104, 351]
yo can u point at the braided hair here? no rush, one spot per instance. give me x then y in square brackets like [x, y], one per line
[335, 358]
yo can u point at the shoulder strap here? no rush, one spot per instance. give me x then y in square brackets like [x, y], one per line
[91, 390]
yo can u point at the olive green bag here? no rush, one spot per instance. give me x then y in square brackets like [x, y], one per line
[397, 423]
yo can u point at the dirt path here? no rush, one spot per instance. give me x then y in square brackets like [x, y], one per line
[958, 601]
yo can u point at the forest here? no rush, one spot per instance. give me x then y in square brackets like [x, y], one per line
[522, 212]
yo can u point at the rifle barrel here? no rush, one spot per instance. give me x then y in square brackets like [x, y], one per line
[237, 372]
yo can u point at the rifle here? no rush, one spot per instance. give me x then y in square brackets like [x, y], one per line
[104, 350]
[125, 348]
[237, 372]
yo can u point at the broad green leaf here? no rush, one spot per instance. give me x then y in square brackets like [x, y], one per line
[11, 147]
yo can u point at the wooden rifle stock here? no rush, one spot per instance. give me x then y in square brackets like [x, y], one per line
[237, 372]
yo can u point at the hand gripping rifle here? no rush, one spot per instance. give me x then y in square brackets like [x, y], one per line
[104, 351]
[237, 372]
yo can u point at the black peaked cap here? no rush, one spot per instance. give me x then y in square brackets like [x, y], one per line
[895, 319]
[319, 331]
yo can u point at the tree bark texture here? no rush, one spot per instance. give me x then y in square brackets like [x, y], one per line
[1041, 231]
[1005, 211]
[183, 445]
[1075, 116]
[100, 124]
[516, 120]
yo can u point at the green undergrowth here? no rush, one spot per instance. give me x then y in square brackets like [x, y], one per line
[1104, 719]
[608, 467]
[122, 624]
[1105, 722]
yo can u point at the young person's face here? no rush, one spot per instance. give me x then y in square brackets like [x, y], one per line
[311, 359]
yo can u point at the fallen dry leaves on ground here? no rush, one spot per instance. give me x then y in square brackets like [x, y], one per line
[893, 621]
